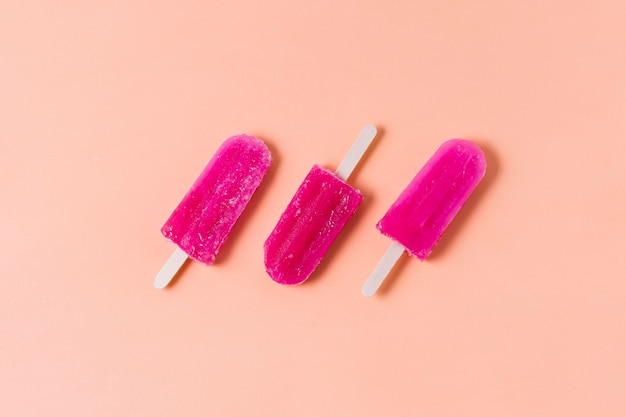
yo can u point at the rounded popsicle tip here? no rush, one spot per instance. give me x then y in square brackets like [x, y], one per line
[247, 146]
[467, 147]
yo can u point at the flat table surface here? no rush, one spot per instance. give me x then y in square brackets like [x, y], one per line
[109, 110]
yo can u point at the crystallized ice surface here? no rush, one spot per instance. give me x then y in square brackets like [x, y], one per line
[204, 218]
[318, 211]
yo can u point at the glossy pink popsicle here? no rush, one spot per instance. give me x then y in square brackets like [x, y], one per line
[321, 207]
[204, 218]
[422, 212]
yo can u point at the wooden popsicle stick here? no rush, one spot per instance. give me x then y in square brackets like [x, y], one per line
[354, 155]
[169, 270]
[383, 268]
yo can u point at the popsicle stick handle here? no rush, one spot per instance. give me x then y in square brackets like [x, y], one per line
[383, 268]
[354, 155]
[169, 270]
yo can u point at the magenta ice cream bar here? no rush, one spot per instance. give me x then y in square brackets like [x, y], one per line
[318, 211]
[203, 220]
[417, 219]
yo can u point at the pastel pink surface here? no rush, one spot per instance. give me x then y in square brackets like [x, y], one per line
[423, 211]
[321, 207]
[202, 221]
[109, 110]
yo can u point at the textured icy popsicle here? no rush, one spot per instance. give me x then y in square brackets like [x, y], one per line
[418, 218]
[204, 218]
[318, 211]
[321, 207]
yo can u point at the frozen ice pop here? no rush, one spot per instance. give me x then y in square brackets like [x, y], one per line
[318, 211]
[426, 207]
[202, 221]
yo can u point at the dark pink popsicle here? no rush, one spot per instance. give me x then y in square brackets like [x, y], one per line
[204, 218]
[318, 211]
[426, 207]
[417, 219]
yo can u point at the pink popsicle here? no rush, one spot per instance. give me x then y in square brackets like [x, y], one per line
[203, 220]
[321, 207]
[417, 219]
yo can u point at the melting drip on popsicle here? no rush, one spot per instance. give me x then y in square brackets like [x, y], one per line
[204, 218]
[321, 207]
[426, 207]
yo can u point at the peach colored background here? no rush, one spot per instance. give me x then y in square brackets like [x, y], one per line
[109, 110]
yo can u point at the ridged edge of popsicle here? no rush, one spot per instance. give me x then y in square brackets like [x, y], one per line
[273, 270]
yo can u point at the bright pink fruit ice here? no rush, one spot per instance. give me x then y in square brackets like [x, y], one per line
[313, 219]
[204, 218]
[426, 207]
